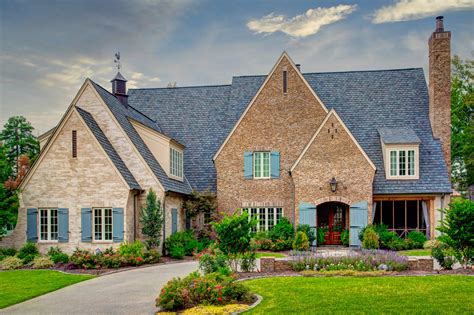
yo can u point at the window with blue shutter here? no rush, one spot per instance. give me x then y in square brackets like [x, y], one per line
[86, 224]
[63, 225]
[118, 227]
[174, 221]
[358, 217]
[248, 165]
[32, 225]
[275, 164]
[308, 216]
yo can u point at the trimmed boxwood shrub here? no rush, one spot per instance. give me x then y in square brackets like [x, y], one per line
[417, 239]
[28, 252]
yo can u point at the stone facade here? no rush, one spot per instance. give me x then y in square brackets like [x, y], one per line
[333, 154]
[275, 122]
[439, 46]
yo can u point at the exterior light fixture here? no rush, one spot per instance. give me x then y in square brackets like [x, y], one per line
[333, 185]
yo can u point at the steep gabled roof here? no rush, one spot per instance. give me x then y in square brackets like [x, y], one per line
[122, 115]
[202, 117]
[108, 148]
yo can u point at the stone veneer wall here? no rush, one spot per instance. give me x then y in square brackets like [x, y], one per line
[275, 122]
[333, 154]
[61, 181]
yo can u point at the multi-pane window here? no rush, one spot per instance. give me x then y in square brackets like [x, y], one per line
[176, 163]
[102, 224]
[48, 221]
[402, 163]
[267, 217]
[261, 162]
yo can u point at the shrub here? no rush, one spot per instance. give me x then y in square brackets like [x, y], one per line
[417, 238]
[151, 256]
[345, 237]
[42, 262]
[320, 235]
[234, 237]
[429, 244]
[57, 255]
[443, 254]
[85, 259]
[28, 252]
[308, 231]
[282, 231]
[131, 250]
[10, 263]
[151, 217]
[6, 252]
[115, 260]
[370, 239]
[211, 289]
[184, 240]
[177, 252]
[212, 260]
[301, 241]
[396, 244]
[458, 229]
[262, 241]
[248, 261]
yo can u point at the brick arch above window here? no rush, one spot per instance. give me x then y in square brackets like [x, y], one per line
[332, 199]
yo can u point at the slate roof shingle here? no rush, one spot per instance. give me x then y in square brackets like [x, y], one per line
[108, 148]
[398, 136]
[201, 118]
[122, 114]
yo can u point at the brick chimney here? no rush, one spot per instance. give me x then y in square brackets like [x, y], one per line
[439, 46]
[119, 88]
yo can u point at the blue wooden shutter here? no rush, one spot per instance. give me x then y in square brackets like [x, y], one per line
[32, 225]
[86, 224]
[63, 225]
[248, 165]
[117, 221]
[308, 216]
[174, 221]
[358, 217]
[275, 164]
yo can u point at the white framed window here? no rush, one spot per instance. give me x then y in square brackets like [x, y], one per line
[403, 163]
[102, 219]
[261, 164]
[48, 224]
[267, 217]
[176, 163]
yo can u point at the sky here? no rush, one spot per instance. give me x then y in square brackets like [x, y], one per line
[48, 48]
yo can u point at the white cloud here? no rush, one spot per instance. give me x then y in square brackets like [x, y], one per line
[302, 25]
[407, 10]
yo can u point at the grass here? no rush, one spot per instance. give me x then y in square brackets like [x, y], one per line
[20, 285]
[415, 252]
[371, 295]
[276, 255]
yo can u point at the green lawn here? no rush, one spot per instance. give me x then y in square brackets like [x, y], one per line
[276, 255]
[19, 285]
[350, 295]
[415, 252]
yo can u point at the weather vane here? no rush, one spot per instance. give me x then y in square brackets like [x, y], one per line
[117, 60]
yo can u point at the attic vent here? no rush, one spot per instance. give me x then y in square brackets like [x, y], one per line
[285, 82]
[74, 143]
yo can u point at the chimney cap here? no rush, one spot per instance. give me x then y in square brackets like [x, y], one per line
[118, 77]
[439, 17]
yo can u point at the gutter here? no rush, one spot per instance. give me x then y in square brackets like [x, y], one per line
[164, 222]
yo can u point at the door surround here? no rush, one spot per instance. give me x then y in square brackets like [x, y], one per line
[340, 199]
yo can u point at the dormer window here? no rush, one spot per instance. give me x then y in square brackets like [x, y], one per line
[400, 148]
[176, 163]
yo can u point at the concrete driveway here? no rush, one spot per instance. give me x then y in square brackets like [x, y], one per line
[128, 292]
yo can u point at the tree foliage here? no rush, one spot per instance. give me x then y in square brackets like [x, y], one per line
[152, 220]
[17, 139]
[462, 124]
[457, 227]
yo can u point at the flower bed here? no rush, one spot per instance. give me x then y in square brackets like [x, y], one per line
[366, 260]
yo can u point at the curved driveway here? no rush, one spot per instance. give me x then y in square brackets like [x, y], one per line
[128, 292]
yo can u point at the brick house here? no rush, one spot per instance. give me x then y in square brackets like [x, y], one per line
[333, 150]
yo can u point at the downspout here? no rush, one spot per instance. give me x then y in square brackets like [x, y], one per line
[135, 206]
[164, 223]
[292, 184]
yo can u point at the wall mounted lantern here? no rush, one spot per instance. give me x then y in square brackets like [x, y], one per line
[333, 185]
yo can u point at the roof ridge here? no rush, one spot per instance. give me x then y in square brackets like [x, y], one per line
[183, 87]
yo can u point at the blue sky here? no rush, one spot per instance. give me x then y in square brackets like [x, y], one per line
[48, 48]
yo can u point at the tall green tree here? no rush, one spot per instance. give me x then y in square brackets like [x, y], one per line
[17, 139]
[462, 124]
[152, 220]
[8, 199]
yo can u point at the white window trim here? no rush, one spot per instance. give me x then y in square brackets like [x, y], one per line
[180, 166]
[257, 215]
[49, 240]
[103, 240]
[398, 148]
[261, 165]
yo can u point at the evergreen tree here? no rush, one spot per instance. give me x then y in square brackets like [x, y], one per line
[18, 140]
[152, 220]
